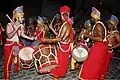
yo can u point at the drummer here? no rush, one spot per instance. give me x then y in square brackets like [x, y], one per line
[92, 67]
[14, 30]
[40, 31]
[86, 29]
[113, 38]
[64, 48]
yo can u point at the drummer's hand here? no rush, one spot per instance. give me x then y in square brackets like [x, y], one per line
[110, 47]
[43, 39]
[32, 38]
[86, 35]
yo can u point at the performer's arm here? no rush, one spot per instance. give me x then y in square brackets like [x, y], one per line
[38, 33]
[117, 36]
[63, 34]
[23, 34]
[99, 33]
[57, 39]
[10, 30]
[50, 26]
[81, 35]
[51, 40]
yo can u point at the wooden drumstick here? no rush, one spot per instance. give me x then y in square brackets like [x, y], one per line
[13, 24]
[10, 19]
[53, 19]
[52, 27]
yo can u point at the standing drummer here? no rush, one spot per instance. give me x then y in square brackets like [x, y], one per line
[113, 38]
[14, 30]
[92, 67]
[87, 30]
[64, 40]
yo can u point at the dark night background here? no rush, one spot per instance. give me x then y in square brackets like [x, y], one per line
[80, 9]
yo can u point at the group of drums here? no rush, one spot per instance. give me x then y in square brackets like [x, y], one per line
[45, 58]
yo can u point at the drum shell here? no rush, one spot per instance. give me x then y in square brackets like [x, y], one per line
[42, 60]
[26, 63]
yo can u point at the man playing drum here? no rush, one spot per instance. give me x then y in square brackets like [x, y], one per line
[86, 29]
[92, 67]
[39, 31]
[12, 46]
[113, 38]
[64, 40]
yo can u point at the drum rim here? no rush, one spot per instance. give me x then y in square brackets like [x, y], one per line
[82, 47]
[75, 57]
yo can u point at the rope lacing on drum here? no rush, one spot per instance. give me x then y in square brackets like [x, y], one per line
[40, 56]
[49, 54]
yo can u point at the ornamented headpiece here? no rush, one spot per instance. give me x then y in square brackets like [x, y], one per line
[40, 19]
[18, 12]
[57, 16]
[114, 20]
[95, 13]
[88, 23]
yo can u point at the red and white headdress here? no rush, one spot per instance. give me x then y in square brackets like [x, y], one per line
[65, 9]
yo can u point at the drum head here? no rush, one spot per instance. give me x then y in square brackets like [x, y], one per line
[26, 53]
[80, 53]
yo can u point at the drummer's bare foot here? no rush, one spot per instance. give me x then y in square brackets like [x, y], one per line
[55, 78]
[102, 77]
